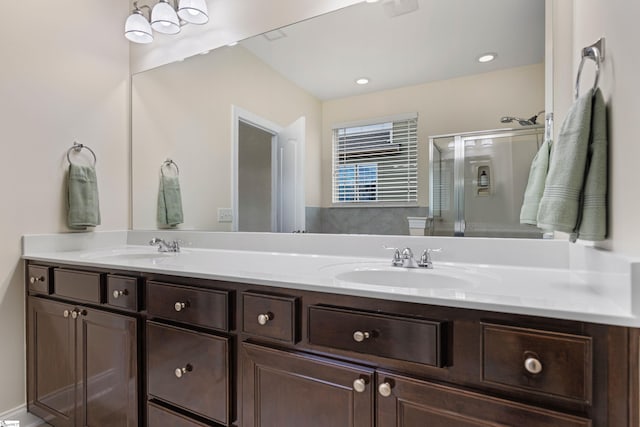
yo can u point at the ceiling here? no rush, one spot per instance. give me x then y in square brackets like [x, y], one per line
[440, 40]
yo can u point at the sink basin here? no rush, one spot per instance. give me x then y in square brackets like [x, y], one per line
[128, 254]
[405, 278]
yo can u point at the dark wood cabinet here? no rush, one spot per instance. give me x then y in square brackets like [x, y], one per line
[210, 353]
[408, 402]
[82, 365]
[51, 362]
[288, 389]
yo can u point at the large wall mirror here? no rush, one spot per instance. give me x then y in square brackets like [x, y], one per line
[278, 133]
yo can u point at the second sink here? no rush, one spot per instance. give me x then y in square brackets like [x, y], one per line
[404, 278]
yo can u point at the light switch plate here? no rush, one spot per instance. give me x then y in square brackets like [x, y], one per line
[225, 215]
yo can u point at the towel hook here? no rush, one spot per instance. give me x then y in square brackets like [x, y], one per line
[594, 52]
[77, 148]
[169, 163]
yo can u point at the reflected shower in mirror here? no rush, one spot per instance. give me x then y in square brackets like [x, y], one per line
[419, 60]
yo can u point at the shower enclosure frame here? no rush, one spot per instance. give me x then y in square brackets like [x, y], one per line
[459, 140]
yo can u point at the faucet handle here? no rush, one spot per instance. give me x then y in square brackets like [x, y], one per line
[425, 258]
[155, 241]
[397, 260]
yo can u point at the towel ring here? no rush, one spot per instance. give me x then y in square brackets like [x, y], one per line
[77, 148]
[169, 163]
[594, 52]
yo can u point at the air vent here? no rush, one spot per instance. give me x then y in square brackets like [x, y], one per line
[395, 8]
[274, 35]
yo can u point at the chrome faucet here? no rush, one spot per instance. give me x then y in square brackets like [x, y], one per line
[405, 258]
[163, 246]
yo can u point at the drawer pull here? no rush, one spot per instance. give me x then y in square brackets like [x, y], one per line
[532, 365]
[65, 313]
[179, 372]
[384, 389]
[118, 293]
[359, 336]
[35, 279]
[179, 306]
[264, 318]
[359, 385]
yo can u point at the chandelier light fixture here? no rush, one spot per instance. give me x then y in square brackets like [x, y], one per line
[165, 17]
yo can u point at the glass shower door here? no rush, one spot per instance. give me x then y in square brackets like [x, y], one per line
[477, 182]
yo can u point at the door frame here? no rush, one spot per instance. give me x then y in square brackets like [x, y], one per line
[238, 115]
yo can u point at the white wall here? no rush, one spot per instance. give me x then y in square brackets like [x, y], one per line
[183, 111]
[616, 20]
[448, 106]
[64, 77]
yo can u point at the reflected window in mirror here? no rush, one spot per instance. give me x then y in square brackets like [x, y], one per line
[376, 162]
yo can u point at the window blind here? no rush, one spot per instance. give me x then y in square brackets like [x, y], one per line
[376, 162]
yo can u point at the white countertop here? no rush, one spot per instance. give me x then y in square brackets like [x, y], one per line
[574, 292]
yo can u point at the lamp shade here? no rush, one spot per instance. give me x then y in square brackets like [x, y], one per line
[164, 18]
[137, 28]
[193, 11]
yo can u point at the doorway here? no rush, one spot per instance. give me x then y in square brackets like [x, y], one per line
[268, 174]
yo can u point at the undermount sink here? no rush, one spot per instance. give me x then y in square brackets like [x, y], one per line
[124, 254]
[396, 277]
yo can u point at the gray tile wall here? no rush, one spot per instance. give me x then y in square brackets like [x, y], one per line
[362, 220]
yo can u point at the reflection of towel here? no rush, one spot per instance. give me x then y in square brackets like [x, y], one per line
[574, 197]
[535, 186]
[82, 188]
[169, 201]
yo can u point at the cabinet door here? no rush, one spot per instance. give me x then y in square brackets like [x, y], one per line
[407, 402]
[51, 363]
[107, 369]
[291, 389]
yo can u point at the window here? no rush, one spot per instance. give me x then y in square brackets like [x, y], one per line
[376, 162]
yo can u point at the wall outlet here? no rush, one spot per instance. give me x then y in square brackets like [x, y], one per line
[225, 215]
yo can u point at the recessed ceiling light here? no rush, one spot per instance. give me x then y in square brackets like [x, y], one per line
[362, 81]
[487, 57]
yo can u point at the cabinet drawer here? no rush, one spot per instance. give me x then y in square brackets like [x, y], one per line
[512, 357]
[122, 292]
[78, 285]
[201, 307]
[162, 417]
[270, 316]
[39, 279]
[396, 337]
[189, 369]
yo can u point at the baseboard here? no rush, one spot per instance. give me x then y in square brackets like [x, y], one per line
[20, 414]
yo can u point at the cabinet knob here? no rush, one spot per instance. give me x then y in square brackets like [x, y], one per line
[179, 306]
[65, 313]
[533, 365]
[264, 318]
[74, 314]
[360, 385]
[384, 389]
[179, 372]
[359, 336]
[118, 293]
[34, 279]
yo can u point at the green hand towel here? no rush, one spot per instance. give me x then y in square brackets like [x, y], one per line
[82, 200]
[169, 202]
[593, 223]
[535, 185]
[560, 204]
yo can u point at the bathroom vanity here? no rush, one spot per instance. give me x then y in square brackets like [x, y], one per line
[133, 339]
